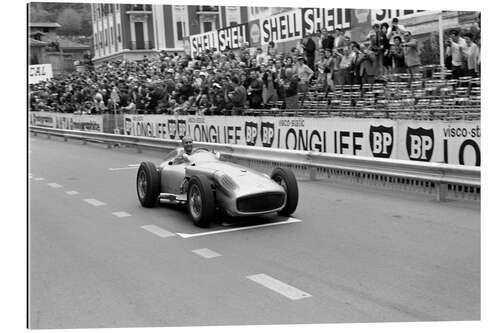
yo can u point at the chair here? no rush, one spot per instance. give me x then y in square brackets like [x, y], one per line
[464, 81]
[462, 91]
[475, 82]
[423, 103]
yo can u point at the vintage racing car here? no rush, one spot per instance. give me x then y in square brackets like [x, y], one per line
[207, 184]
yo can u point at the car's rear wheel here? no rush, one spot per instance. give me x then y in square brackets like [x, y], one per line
[148, 184]
[286, 178]
[201, 201]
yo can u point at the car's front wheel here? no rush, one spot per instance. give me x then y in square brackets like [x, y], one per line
[286, 178]
[201, 201]
[148, 184]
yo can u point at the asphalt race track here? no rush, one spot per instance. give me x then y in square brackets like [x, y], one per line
[98, 259]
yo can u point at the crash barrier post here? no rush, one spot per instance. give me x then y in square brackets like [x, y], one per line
[441, 180]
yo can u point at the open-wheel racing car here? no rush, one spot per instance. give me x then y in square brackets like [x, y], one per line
[207, 185]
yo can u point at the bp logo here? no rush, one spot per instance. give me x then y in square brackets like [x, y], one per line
[267, 134]
[128, 126]
[251, 133]
[420, 143]
[381, 141]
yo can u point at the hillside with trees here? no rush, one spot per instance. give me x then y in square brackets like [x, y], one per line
[75, 18]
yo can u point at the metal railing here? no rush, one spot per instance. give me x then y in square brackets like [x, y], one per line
[441, 180]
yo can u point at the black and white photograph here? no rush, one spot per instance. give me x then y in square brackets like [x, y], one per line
[204, 165]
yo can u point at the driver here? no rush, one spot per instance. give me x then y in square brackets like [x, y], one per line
[187, 143]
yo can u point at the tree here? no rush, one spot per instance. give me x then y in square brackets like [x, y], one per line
[70, 21]
[39, 14]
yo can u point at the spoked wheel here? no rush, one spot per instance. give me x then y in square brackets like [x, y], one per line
[286, 178]
[148, 184]
[201, 201]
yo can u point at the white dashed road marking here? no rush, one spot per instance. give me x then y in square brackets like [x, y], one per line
[54, 185]
[206, 253]
[72, 193]
[157, 230]
[39, 178]
[94, 202]
[121, 214]
[290, 220]
[279, 287]
[125, 168]
[133, 165]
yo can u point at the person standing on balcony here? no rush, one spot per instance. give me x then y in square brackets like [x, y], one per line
[454, 49]
[411, 53]
[471, 55]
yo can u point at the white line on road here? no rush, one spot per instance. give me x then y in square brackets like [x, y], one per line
[279, 287]
[133, 165]
[39, 178]
[94, 202]
[125, 168]
[54, 185]
[121, 214]
[72, 192]
[206, 253]
[157, 230]
[290, 220]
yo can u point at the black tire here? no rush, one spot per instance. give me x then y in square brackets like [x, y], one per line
[201, 201]
[286, 178]
[148, 184]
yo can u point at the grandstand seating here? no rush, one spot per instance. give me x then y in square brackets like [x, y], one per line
[428, 95]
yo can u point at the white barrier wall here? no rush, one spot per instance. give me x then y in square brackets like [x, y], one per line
[453, 142]
[85, 122]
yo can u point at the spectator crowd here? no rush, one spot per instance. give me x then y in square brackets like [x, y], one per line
[227, 82]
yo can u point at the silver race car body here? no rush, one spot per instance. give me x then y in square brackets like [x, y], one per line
[239, 190]
[208, 185]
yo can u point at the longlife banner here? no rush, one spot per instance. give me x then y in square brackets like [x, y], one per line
[39, 73]
[84, 122]
[453, 142]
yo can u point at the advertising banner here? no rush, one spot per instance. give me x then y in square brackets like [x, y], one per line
[281, 27]
[386, 15]
[39, 73]
[314, 19]
[84, 122]
[233, 37]
[453, 142]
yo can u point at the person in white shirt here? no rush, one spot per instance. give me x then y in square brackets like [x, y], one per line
[304, 72]
[395, 29]
[471, 55]
[261, 57]
[455, 46]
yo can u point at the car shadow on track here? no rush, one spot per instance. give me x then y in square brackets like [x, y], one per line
[223, 221]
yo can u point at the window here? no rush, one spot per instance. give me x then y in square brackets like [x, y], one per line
[207, 26]
[118, 31]
[180, 33]
[105, 37]
[112, 38]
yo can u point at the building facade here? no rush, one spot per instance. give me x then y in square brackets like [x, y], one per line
[132, 31]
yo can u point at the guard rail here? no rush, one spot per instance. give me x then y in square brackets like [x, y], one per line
[442, 180]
